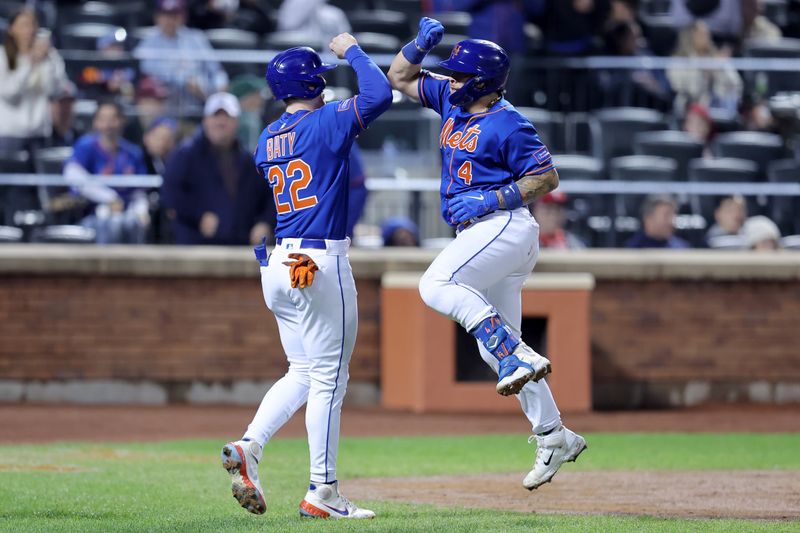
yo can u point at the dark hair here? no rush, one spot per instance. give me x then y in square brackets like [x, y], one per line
[9, 44]
[113, 103]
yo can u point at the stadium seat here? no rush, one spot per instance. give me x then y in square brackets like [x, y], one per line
[728, 242]
[639, 168]
[548, 124]
[394, 23]
[14, 198]
[84, 35]
[378, 43]
[232, 39]
[783, 48]
[756, 146]
[10, 234]
[51, 160]
[583, 167]
[721, 170]
[725, 120]
[281, 40]
[96, 12]
[577, 133]
[676, 145]
[613, 128]
[68, 234]
[456, 22]
[791, 242]
[785, 210]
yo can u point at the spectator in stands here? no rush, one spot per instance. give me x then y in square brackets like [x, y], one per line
[250, 15]
[317, 18]
[755, 25]
[761, 234]
[151, 103]
[172, 43]
[121, 215]
[62, 115]
[624, 87]
[550, 213]
[104, 82]
[658, 229]
[212, 190]
[30, 72]
[358, 190]
[158, 142]
[729, 217]
[714, 88]
[697, 122]
[571, 27]
[399, 231]
[251, 91]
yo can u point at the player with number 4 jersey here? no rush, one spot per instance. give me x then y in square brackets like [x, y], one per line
[493, 165]
[307, 280]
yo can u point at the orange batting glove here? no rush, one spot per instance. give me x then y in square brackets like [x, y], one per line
[301, 270]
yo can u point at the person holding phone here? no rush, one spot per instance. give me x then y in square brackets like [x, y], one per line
[30, 71]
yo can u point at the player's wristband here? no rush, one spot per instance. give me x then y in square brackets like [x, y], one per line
[413, 53]
[512, 197]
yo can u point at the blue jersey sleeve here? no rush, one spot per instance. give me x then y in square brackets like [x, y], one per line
[525, 154]
[433, 91]
[82, 153]
[346, 119]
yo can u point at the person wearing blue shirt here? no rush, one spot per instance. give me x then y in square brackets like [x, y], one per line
[191, 80]
[121, 215]
[658, 229]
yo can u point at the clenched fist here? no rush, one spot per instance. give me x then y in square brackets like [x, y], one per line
[341, 43]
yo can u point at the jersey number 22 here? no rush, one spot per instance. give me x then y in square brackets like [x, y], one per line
[298, 173]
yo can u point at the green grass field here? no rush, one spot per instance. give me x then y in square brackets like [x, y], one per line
[180, 486]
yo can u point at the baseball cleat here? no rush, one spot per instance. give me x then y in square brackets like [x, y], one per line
[324, 501]
[559, 447]
[520, 367]
[240, 459]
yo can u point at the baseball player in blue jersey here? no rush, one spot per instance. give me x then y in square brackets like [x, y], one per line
[307, 280]
[493, 165]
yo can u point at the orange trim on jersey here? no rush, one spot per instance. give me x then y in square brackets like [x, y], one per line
[452, 155]
[355, 108]
[539, 171]
[292, 125]
[421, 89]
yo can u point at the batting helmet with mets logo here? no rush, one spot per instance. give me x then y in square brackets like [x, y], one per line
[487, 61]
[296, 73]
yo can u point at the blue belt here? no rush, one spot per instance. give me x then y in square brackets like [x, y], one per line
[309, 243]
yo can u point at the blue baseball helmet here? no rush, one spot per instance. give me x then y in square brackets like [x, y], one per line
[487, 61]
[296, 73]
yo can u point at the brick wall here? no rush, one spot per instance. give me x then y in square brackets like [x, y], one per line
[658, 342]
[160, 329]
[650, 337]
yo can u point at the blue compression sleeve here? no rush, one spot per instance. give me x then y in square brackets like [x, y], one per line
[374, 91]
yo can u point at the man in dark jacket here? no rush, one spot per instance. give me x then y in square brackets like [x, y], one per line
[212, 190]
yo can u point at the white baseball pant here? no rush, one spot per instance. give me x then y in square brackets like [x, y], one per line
[317, 326]
[480, 274]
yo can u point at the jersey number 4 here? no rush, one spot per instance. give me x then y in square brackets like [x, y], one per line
[298, 173]
[465, 172]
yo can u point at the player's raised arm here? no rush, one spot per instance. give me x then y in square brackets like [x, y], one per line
[407, 64]
[374, 92]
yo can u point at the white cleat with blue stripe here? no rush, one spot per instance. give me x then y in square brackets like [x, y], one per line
[324, 501]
